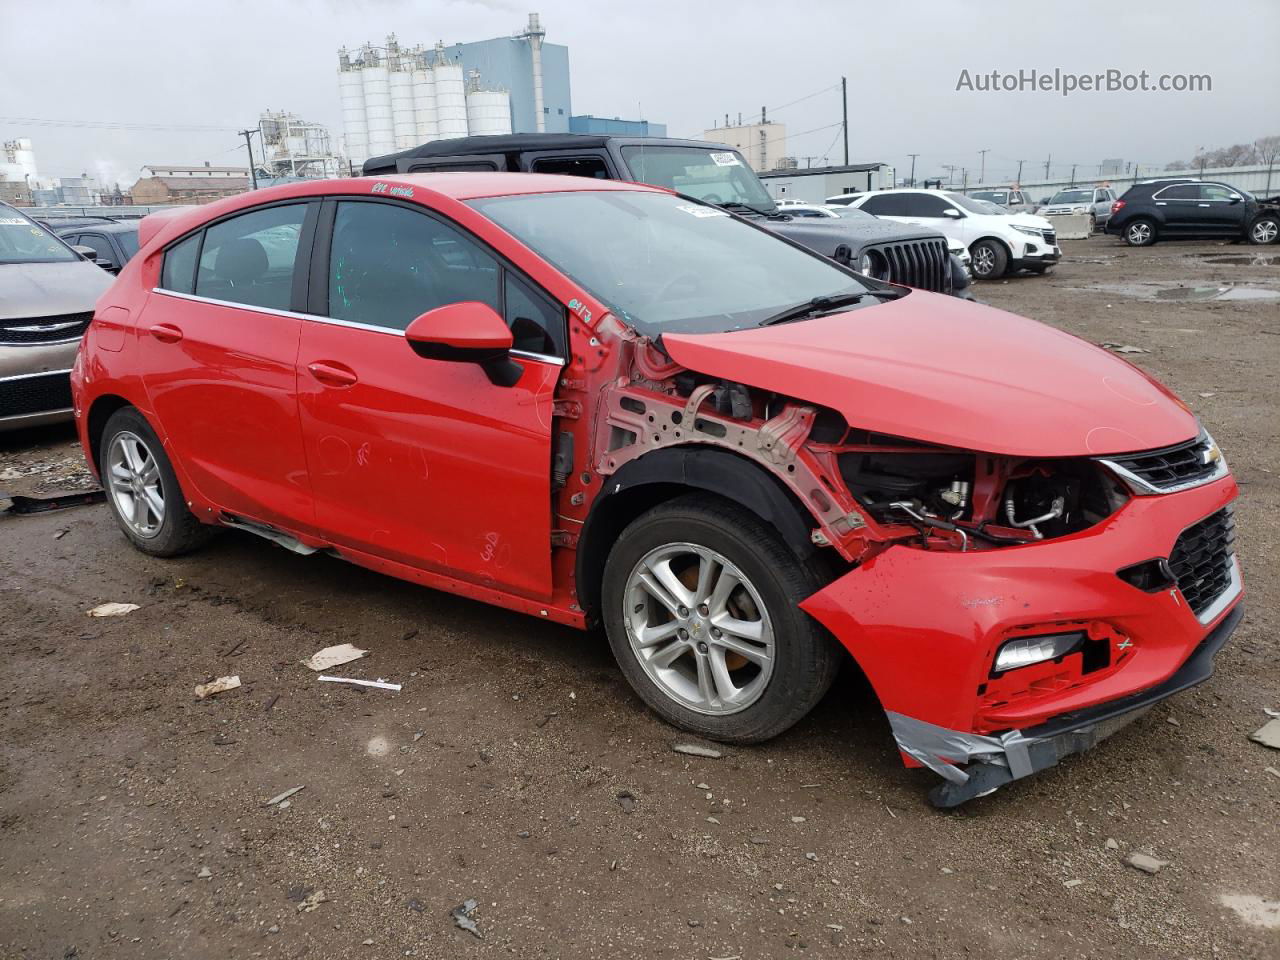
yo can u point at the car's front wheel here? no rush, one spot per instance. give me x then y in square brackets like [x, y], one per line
[1266, 229]
[701, 606]
[990, 260]
[142, 489]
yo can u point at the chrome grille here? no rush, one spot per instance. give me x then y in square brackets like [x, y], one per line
[65, 326]
[1050, 236]
[1203, 560]
[1174, 467]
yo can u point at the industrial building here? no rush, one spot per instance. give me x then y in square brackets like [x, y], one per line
[615, 127]
[815, 184]
[395, 97]
[763, 145]
[168, 183]
[296, 148]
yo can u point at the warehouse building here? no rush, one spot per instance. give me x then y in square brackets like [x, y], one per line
[815, 184]
[615, 127]
[169, 183]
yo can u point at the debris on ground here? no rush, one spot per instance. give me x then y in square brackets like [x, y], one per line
[462, 918]
[1146, 863]
[311, 901]
[113, 609]
[1112, 843]
[333, 656]
[25, 505]
[1268, 734]
[1123, 348]
[696, 750]
[1273, 771]
[281, 797]
[204, 874]
[626, 800]
[221, 685]
[1071, 883]
[380, 684]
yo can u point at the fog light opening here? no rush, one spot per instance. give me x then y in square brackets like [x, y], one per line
[1025, 651]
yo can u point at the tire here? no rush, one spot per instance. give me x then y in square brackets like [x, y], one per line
[1040, 268]
[1139, 232]
[990, 259]
[142, 489]
[1265, 229]
[1093, 224]
[792, 665]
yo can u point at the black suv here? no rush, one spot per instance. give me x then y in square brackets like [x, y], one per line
[911, 255]
[1183, 208]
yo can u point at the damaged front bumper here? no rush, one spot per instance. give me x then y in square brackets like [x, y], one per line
[926, 626]
[995, 760]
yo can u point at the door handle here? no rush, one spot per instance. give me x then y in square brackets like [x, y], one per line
[1204, 204]
[166, 332]
[332, 374]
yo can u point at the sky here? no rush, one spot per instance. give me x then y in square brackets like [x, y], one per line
[163, 68]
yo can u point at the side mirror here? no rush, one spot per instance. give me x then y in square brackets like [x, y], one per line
[469, 332]
[951, 212]
[1233, 199]
[87, 252]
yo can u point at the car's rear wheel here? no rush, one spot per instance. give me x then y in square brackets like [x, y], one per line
[142, 489]
[1266, 229]
[990, 259]
[1140, 233]
[701, 606]
[1093, 223]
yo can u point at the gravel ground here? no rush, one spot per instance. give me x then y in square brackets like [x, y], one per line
[516, 769]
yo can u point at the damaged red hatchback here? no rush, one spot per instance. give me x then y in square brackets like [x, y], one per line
[599, 402]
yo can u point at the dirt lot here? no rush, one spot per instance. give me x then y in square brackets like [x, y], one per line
[132, 817]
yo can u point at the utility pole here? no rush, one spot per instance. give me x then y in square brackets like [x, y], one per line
[1073, 175]
[982, 176]
[248, 142]
[951, 172]
[1046, 167]
[844, 115]
[964, 180]
[1019, 173]
[912, 181]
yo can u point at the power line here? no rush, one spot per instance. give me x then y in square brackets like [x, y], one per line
[114, 125]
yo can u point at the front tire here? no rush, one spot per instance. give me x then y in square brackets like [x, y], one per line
[142, 489]
[1140, 233]
[990, 259]
[701, 607]
[1265, 230]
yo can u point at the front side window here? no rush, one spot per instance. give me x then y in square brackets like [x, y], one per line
[926, 205]
[179, 271]
[25, 241]
[250, 258]
[663, 264]
[537, 324]
[714, 176]
[389, 264]
[1216, 191]
[100, 245]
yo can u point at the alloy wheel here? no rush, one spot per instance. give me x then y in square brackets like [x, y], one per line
[699, 628]
[1265, 231]
[133, 478]
[1139, 233]
[984, 261]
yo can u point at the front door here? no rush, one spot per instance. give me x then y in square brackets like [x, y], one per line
[424, 462]
[1223, 209]
[219, 345]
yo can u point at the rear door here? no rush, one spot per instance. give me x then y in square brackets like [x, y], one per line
[1180, 204]
[219, 345]
[425, 462]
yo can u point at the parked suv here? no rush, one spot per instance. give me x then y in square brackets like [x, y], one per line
[711, 172]
[113, 243]
[597, 402]
[1011, 198]
[47, 292]
[1097, 202]
[1184, 209]
[998, 242]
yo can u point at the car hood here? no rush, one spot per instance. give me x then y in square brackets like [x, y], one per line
[48, 289]
[1030, 220]
[825, 236]
[946, 371]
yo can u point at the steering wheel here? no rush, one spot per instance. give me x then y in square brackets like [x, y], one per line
[670, 286]
[712, 198]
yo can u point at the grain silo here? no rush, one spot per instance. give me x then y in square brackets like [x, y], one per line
[351, 95]
[488, 111]
[404, 126]
[451, 97]
[377, 101]
[422, 81]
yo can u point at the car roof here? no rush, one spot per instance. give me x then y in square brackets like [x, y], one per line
[94, 226]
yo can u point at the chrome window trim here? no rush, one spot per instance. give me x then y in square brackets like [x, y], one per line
[42, 373]
[333, 321]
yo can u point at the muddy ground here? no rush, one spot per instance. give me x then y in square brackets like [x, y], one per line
[132, 817]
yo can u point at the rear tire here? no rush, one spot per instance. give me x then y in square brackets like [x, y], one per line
[990, 259]
[1265, 229]
[721, 647]
[142, 489]
[1140, 232]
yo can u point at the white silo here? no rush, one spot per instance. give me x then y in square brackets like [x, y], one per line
[355, 129]
[404, 123]
[426, 125]
[451, 97]
[488, 112]
[376, 79]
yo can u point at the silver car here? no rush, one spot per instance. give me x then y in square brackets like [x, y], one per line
[1095, 201]
[1011, 198]
[47, 293]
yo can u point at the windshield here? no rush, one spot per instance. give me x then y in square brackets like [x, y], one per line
[716, 176]
[975, 206]
[1073, 196]
[24, 241]
[662, 264]
[992, 196]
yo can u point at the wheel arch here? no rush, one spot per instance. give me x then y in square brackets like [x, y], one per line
[1008, 250]
[670, 472]
[100, 412]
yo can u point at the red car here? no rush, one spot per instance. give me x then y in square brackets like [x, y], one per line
[599, 402]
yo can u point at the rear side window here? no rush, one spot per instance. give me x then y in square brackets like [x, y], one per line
[179, 272]
[1181, 191]
[389, 264]
[250, 259]
[887, 205]
[572, 166]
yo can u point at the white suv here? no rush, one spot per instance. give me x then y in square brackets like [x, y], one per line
[998, 241]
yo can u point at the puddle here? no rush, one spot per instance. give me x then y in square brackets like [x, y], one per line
[1247, 259]
[1179, 294]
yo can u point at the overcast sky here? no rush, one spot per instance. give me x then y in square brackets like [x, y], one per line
[218, 63]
